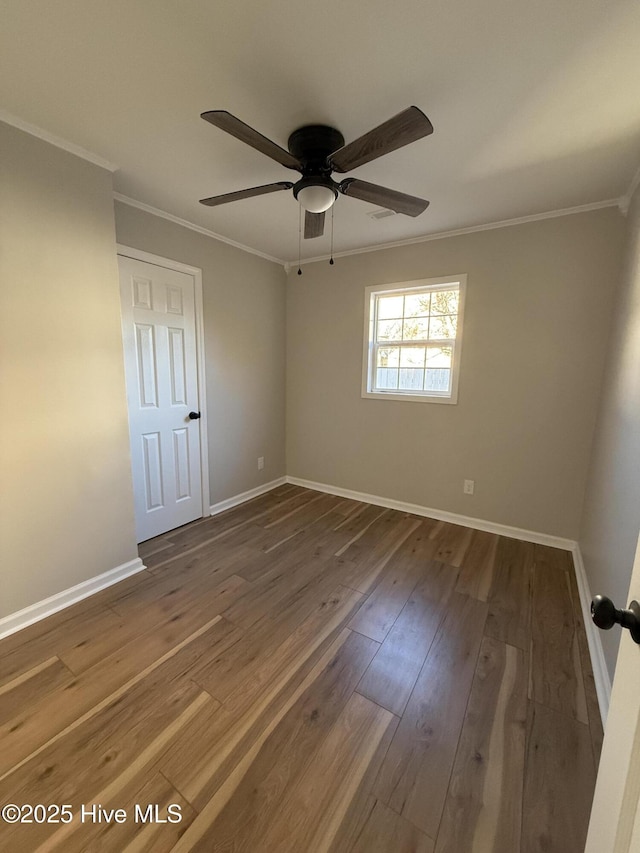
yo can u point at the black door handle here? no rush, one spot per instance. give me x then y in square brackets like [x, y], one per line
[605, 614]
[194, 415]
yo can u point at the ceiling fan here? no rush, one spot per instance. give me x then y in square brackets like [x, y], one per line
[316, 151]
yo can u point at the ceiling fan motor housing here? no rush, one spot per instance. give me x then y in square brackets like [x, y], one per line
[312, 145]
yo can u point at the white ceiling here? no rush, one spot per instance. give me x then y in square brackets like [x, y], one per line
[535, 105]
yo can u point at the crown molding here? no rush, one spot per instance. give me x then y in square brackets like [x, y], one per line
[489, 226]
[155, 211]
[621, 203]
[440, 235]
[70, 147]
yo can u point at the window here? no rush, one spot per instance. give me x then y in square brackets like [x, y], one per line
[412, 340]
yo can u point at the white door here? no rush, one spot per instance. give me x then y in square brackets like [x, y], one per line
[159, 334]
[615, 816]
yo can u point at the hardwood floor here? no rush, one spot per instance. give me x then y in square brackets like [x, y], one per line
[306, 673]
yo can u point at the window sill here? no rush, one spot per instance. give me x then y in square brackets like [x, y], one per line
[409, 398]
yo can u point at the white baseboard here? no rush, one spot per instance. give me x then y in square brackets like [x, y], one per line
[48, 606]
[440, 515]
[221, 506]
[596, 652]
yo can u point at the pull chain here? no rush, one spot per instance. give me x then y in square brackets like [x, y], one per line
[332, 210]
[299, 238]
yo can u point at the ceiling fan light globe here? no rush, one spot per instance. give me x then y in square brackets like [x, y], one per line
[316, 198]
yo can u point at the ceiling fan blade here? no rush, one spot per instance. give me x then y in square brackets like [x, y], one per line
[408, 126]
[240, 194]
[229, 123]
[313, 224]
[393, 200]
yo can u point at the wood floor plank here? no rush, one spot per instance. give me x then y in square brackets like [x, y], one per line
[318, 537]
[356, 525]
[297, 519]
[33, 686]
[28, 648]
[453, 542]
[172, 606]
[171, 592]
[96, 761]
[386, 831]
[556, 668]
[312, 518]
[225, 524]
[289, 577]
[208, 769]
[476, 571]
[236, 685]
[556, 558]
[393, 672]
[115, 788]
[483, 809]
[349, 508]
[154, 546]
[286, 754]
[395, 584]
[286, 505]
[133, 836]
[105, 598]
[369, 529]
[414, 776]
[314, 542]
[39, 725]
[8, 686]
[179, 535]
[288, 607]
[510, 595]
[211, 563]
[319, 803]
[310, 817]
[559, 783]
[359, 809]
[364, 572]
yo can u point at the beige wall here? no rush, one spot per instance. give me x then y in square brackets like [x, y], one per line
[66, 506]
[611, 518]
[537, 317]
[244, 321]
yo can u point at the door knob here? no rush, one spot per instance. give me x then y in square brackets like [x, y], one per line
[605, 614]
[194, 415]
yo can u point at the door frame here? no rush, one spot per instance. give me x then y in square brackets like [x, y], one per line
[196, 272]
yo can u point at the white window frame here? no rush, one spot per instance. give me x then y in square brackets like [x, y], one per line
[368, 362]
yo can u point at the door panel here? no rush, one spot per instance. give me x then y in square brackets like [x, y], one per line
[148, 375]
[152, 471]
[177, 364]
[181, 458]
[159, 334]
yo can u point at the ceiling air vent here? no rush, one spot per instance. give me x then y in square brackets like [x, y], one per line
[381, 214]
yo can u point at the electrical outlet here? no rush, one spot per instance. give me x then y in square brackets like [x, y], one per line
[469, 486]
[260, 463]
